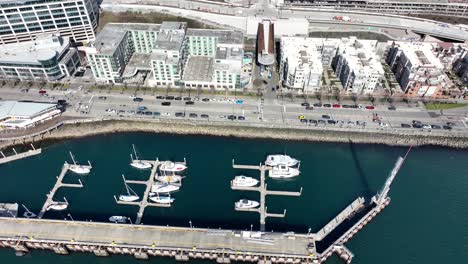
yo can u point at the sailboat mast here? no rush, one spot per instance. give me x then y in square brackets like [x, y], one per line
[134, 150]
[73, 159]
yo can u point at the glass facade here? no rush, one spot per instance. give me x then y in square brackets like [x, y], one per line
[77, 19]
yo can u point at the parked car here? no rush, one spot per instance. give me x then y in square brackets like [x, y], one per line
[331, 122]
[392, 108]
[406, 125]
[166, 103]
[447, 127]
[326, 117]
[178, 98]
[137, 99]
[326, 105]
[142, 108]
[102, 97]
[305, 104]
[370, 107]
[204, 116]
[170, 97]
[180, 114]
[206, 99]
[232, 117]
[193, 115]
[317, 105]
[336, 106]
[241, 117]
[189, 102]
[187, 99]
[436, 127]
[160, 97]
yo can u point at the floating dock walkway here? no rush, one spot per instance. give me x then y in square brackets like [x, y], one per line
[32, 152]
[59, 184]
[144, 201]
[183, 244]
[262, 189]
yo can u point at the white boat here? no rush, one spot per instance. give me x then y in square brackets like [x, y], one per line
[118, 219]
[57, 206]
[163, 188]
[169, 178]
[283, 171]
[131, 195]
[79, 169]
[244, 181]
[246, 204]
[136, 163]
[172, 166]
[277, 159]
[162, 199]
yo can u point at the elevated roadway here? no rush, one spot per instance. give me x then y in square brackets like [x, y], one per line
[237, 16]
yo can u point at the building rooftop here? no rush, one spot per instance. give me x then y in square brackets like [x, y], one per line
[361, 55]
[223, 53]
[170, 40]
[199, 69]
[44, 48]
[223, 36]
[22, 109]
[301, 53]
[113, 33]
[420, 53]
[139, 61]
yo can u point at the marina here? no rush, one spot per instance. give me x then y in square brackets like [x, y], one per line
[148, 188]
[344, 229]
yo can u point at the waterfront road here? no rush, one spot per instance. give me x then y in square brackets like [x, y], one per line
[151, 236]
[275, 111]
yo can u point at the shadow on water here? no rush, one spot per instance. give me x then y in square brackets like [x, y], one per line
[360, 170]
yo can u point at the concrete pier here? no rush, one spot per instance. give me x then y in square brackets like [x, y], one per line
[58, 184]
[262, 189]
[33, 151]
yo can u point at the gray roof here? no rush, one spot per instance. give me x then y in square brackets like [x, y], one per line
[45, 47]
[224, 36]
[113, 33]
[198, 69]
[22, 109]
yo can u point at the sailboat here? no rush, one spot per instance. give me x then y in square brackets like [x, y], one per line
[162, 199]
[131, 195]
[172, 166]
[163, 188]
[168, 178]
[136, 163]
[78, 169]
[28, 214]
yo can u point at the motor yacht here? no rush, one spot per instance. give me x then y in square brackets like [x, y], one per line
[244, 181]
[277, 159]
[283, 171]
[246, 204]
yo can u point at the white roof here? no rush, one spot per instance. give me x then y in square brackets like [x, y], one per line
[22, 109]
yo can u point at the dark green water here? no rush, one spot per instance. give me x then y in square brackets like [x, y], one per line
[426, 222]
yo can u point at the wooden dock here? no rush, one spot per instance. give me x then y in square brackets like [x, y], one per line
[58, 185]
[32, 152]
[262, 189]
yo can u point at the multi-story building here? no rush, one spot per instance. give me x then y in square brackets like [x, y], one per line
[172, 54]
[168, 54]
[460, 67]
[48, 58]
[225, 51]
[301, 64]
[23, 20]
[417, 69]
[357, 65]
[115, 45]
[442, 7]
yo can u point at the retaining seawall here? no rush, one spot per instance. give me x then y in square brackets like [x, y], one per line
[82, 128]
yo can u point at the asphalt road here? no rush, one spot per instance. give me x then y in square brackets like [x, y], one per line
[275, 111]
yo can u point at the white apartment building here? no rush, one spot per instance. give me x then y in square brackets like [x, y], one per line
[48, 58]
[301, 64]
[358, 66]
[24, 20]
[417, 69]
